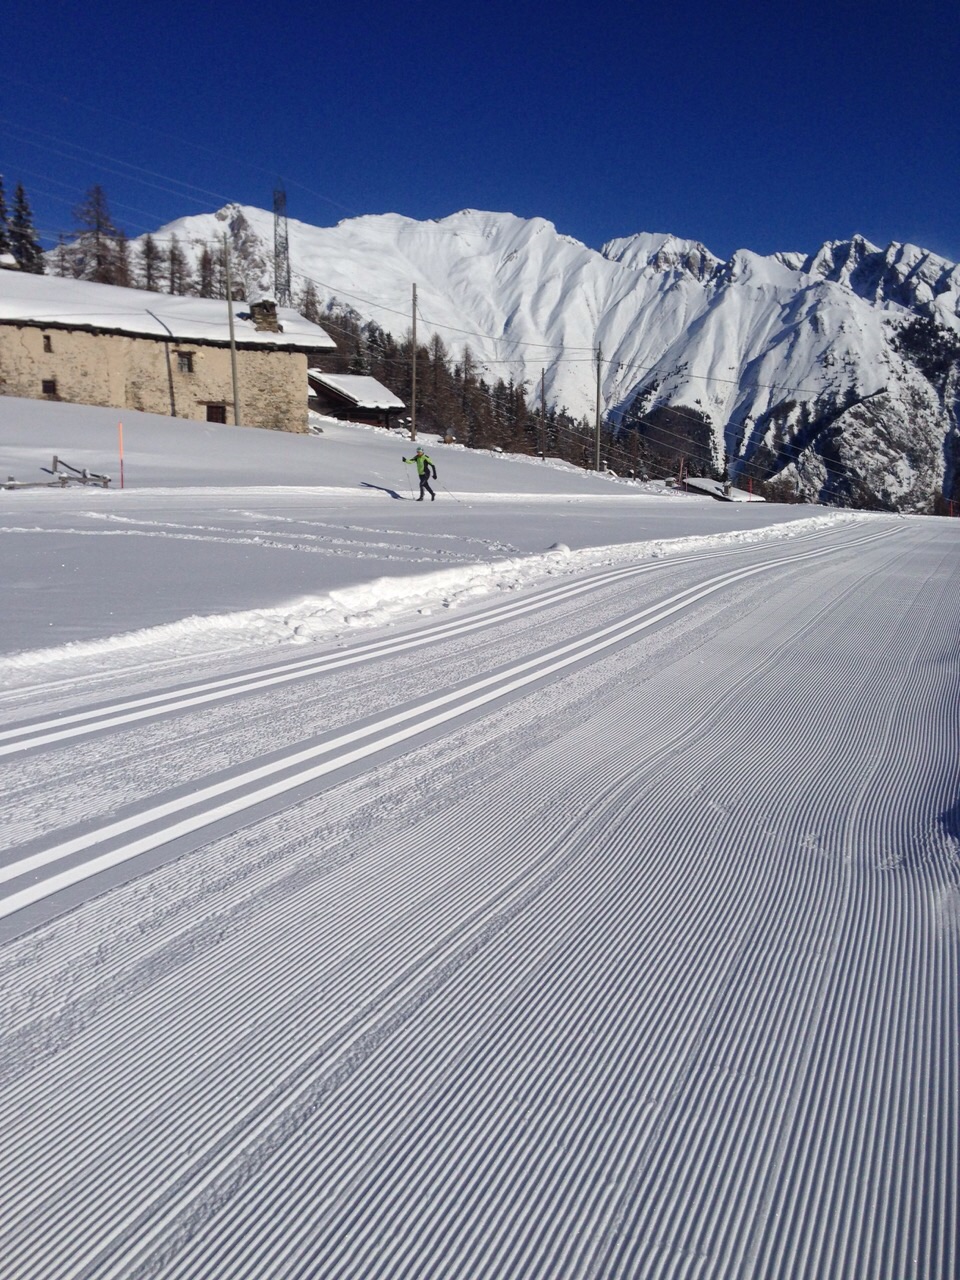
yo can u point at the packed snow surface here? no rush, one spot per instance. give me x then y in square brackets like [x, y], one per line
[559, 879]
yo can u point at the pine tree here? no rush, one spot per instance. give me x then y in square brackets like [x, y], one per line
[360, 360]
[25, 246]
[4, 233]
[149, 264]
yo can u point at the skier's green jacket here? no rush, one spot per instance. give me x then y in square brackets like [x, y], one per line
[424, 464]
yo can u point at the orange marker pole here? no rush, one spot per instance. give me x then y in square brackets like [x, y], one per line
[120, 429]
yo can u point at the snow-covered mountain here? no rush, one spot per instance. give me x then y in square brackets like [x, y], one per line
[837, 372]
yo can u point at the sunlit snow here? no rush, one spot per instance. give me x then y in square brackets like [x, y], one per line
[556, 880]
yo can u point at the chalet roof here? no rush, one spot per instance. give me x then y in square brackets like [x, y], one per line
[52, 302]
[361, 391]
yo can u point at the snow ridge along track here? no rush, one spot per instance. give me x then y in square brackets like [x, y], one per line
[75, 724]
[674, 996]
[179, 817]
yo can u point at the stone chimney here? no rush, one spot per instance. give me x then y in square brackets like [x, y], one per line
[264, 316]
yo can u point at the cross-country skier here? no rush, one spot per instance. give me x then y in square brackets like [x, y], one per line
[424, 467]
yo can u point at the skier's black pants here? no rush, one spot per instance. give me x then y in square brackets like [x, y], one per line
[425, 488]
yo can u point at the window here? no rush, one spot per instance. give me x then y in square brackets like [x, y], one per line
[47, 343]
[185, 361]
[217, 413]
[48, 387]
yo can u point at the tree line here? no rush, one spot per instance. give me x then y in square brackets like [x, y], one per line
[456, 396]
[100, 251]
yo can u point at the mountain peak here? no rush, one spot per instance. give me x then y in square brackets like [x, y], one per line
[768, 351]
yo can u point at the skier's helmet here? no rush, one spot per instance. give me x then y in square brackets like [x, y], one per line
[419, 451]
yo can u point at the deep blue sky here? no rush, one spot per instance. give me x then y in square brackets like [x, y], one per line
[743, 125]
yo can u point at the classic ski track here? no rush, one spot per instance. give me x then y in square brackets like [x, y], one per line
[586, 973]
[36, 733]
[205, 805]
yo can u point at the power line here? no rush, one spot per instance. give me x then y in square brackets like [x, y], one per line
[633, 366]
[743, 463]
[180, 141]
[100, 155]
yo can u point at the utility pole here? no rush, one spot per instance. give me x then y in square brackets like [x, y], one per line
[543, 429]
[596, 461]
[237, 417]
[413, 372]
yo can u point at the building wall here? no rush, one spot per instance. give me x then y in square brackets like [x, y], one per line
[142, 373]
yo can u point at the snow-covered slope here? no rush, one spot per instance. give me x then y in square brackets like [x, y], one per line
[555, 881]
[810, 368]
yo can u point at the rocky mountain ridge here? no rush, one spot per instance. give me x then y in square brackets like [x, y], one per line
[835, 374]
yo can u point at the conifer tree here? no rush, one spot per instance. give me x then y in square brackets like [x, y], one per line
[149, 264]
[309, 306]
[63, 260]
[220, 274]
[24, 245]
[360, 360]
[179, 274]
[4, 233]
[205, 267]
[122, 270]
[93, 251]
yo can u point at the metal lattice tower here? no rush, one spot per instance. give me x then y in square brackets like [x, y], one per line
[281, 249]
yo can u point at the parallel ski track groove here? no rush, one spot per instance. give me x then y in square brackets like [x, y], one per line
[71, 724]
[605, 965]
[204, 807]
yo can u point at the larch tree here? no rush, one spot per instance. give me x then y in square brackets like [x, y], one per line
[205, 268]
[179, 274]
[309, 304]
[149, 266]
[94, 250]
[122, 268]
[63, 258]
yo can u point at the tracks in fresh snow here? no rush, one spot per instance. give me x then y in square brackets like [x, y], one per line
[39, 874]
[671, 992]
[71, 725]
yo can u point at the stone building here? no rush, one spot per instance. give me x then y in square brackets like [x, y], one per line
[128, 349]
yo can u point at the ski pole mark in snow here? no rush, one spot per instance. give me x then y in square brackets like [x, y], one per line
[428, 535]
[302, 541]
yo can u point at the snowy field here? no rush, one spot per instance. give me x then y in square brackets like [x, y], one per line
[556, 880]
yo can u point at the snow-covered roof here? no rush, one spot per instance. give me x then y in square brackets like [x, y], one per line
[365, 392]
[52, 302]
